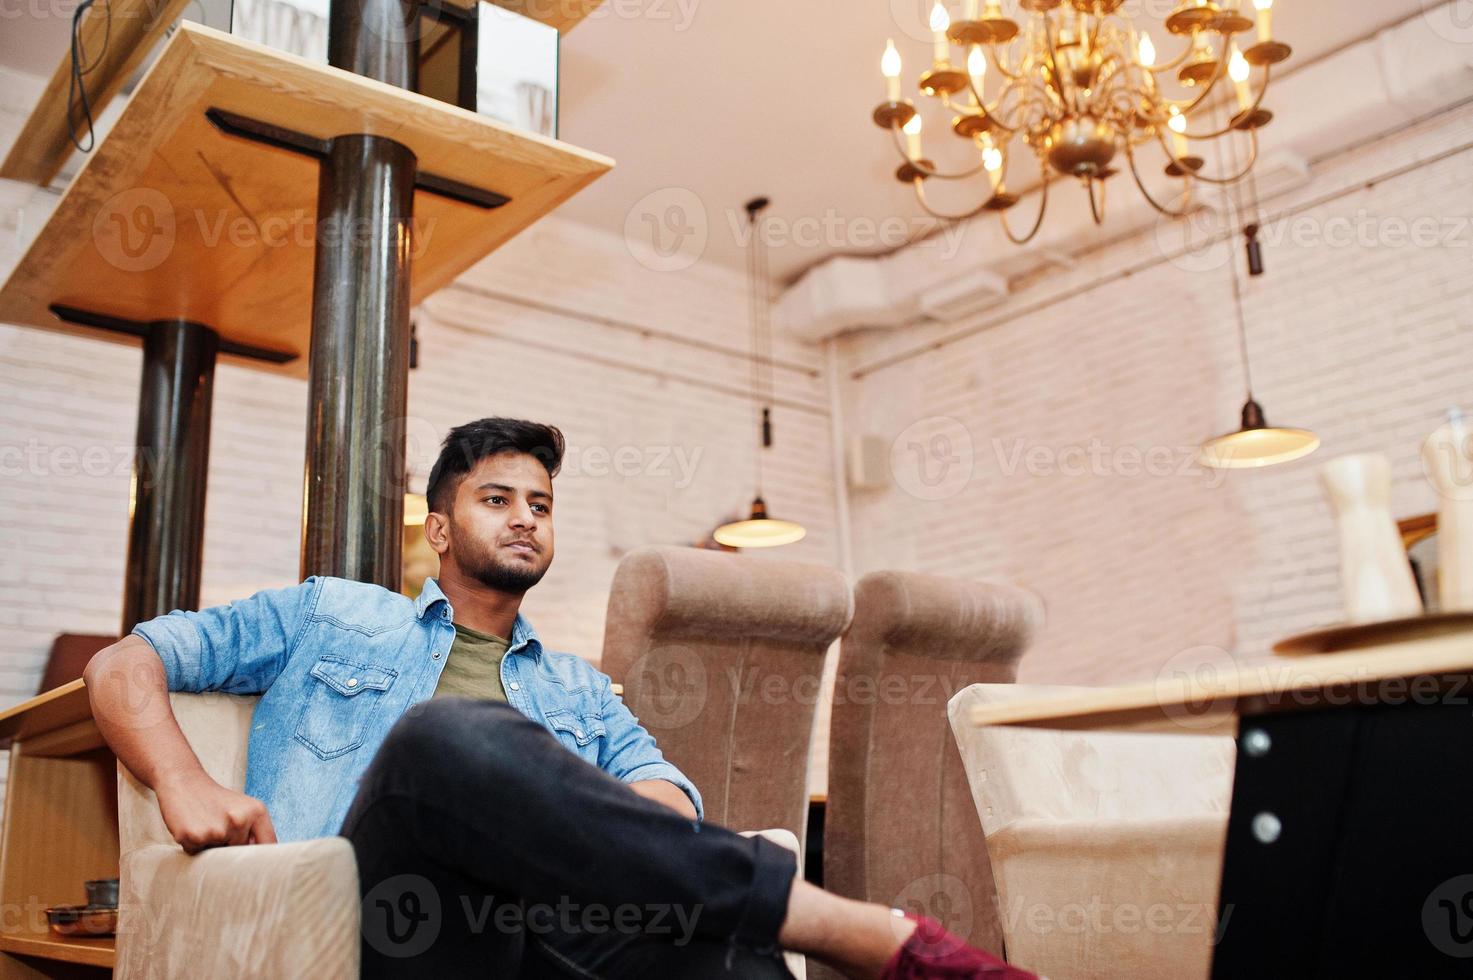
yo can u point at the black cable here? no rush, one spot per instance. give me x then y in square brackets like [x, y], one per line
[76, 86]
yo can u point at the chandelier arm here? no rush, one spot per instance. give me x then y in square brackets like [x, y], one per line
[1172, 64]
[1186, 106]
[920, 189]
[931, 171]
[1096, 211]
[1252, 159]
[982, 105]
[1002, 216]
[1229, 127]
[1053, 61]
[1021, 85]
[1140, 184]
[993, 49]
[1110, 69]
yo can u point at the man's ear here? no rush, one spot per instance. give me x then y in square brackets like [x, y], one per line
[437, 532]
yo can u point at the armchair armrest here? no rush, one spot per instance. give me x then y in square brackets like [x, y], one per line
[796, 962]
[259, 911]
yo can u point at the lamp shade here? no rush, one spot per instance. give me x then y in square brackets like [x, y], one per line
[759, 530]
[1256, 443]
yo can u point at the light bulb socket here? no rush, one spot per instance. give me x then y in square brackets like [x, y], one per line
[1253, 416]
[759, 509]
[1255, 251]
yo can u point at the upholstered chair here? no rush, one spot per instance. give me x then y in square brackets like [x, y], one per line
[721, 656]
[900, 826]
[1107, 846]
[262, 912]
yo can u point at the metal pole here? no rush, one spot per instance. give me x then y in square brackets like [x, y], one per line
[167, 519]
[360, 362]
[359, 378]
[378, 39]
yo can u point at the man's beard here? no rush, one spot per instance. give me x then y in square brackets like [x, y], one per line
[514, 577]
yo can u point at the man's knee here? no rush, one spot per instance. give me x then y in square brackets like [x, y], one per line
[447, 730]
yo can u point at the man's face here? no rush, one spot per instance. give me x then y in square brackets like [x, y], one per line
[499, 529]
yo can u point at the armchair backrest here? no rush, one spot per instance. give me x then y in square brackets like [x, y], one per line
[915, 640]
[218, 727]
[721, 657]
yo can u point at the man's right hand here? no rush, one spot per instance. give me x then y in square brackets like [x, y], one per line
[200, 813]
[129, 695]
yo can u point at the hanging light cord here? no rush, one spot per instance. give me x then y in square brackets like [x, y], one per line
[1233, 213]
[754, 311]
[76, 97]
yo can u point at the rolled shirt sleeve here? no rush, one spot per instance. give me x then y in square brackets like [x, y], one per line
[239, 648]
[630, 753]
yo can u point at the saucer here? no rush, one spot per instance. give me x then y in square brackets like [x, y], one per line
[1355, 636]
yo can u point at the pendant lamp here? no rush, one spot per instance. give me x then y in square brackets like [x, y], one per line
[759, 530]
[1254, 443]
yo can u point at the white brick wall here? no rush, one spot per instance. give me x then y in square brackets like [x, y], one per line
[1368, 344]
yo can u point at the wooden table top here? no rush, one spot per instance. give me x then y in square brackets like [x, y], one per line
[172, 218]
[56, 708]
[1207, 698]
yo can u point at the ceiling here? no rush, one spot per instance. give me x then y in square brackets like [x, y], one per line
[707, 103]
[774, 97]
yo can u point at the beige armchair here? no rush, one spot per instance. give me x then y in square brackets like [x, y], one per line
[272, 911]
[915, 640]
[1106, 846]
[721, 656]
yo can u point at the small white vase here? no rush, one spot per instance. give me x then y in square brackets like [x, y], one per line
[1374, 569]
[1447, 458]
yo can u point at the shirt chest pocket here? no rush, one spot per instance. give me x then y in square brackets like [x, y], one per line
[343, 699]
[578, 729]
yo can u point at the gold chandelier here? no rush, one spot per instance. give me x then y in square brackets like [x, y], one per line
[1079, 85]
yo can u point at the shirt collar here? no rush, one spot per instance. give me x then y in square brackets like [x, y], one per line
[429, 596]
[522, 633]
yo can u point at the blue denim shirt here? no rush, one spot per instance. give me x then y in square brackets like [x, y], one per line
[338, 662]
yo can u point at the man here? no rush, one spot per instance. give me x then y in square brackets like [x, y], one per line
[468, 766]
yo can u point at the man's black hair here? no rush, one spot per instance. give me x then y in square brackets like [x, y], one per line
[466, 445]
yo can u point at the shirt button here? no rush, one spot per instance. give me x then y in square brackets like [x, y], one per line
[437, 654]
[352, 682]
[577, 733]
[515, 686]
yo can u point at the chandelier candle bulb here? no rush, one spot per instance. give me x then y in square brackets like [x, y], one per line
[992, 160]
[912, 132]
[940, 22]
[890, 68]
[1147, 52]
[1238, 69]
[1178, 126]
[972, 8]
[1265, 19]
[977, 66]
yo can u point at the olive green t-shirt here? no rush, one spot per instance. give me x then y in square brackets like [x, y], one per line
[473, 669]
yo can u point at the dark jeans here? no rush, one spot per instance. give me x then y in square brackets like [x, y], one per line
[487, 849]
